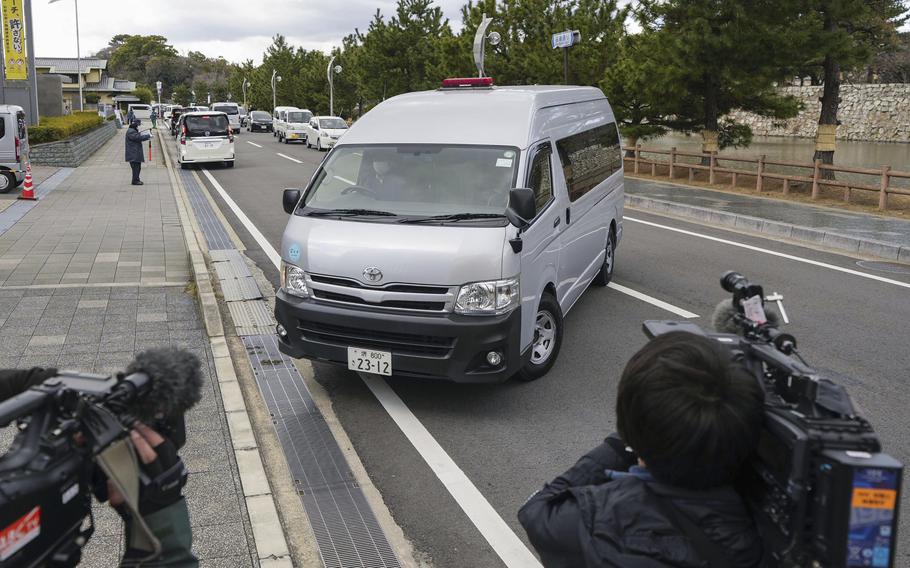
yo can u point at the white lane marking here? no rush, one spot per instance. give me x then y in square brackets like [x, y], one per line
[652, 300]
[774, 253]
[254, 144]
[258, 236]
[497, 533]
[289, 158]
[507, 545]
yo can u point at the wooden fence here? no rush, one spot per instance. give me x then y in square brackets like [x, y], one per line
[814, 176]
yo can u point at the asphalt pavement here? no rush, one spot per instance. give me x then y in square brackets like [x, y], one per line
[511, 438]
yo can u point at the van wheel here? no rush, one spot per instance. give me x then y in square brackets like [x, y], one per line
[7, 182]
[229, 164]
[184, 166]
[318, 145]
[547, 340]
[606, 271]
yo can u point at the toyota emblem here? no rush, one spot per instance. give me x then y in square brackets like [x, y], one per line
[372, 274]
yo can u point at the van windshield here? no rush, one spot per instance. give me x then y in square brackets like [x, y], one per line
[299, 116]
[206, 125]
[227, 109]
[415, 181]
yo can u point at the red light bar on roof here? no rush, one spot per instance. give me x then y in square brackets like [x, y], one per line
[468, 82]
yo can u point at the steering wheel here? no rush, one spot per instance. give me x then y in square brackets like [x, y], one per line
[359, 189]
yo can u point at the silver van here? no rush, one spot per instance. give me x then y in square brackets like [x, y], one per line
[449, 232]
[13, 147]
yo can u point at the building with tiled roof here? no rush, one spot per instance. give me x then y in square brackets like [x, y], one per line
[93, 73]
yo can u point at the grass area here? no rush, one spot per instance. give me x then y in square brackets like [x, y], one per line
[54, 128]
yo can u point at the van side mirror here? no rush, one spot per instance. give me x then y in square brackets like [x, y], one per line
[289, 200]
[522, 207]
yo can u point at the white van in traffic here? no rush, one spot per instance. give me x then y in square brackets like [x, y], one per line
[232, 110]
[278, 117]
[449, 232]
[293, 126]
[205, 137]
[142, 112]
[323, 132]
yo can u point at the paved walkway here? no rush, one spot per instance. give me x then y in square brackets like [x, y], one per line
[94, 272]
[859, 225]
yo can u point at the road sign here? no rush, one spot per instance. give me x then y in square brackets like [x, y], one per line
[567, 38]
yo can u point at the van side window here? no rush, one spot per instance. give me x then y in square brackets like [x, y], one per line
[2, 127]
[23, 126]
[589, 157]
[540, 178]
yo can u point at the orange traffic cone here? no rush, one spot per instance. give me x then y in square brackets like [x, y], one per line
[28, 191]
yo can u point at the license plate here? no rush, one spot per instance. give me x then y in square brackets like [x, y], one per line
[369, 361]
[292, 136]
[207, 145]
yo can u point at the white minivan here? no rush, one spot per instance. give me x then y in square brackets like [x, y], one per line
[142, 112]
[205, 137]
[13, 147]
[293, 125]
[449, 232]
[232, 110]
[278, 117]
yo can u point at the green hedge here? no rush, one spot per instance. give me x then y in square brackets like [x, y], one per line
[55, 128]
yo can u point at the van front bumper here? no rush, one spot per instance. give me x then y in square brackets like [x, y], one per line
[448, 347]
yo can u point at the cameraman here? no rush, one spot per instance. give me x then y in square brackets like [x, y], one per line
[690, 418]
[165, 512]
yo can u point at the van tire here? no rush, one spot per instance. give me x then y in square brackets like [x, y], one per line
[184, 166]
[229, 164]
[318, 145]
[7, 182]
[549, 315]
[606, 271]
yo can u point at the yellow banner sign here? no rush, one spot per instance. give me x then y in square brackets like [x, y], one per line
[15, 59]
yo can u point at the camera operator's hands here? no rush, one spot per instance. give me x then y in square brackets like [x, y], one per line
[162, 469]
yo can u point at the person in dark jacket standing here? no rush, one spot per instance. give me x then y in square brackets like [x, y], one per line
[660, 493]
[134, 154]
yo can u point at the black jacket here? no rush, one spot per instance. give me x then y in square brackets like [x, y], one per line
[134, 142]
[15, 381]
[584, 519]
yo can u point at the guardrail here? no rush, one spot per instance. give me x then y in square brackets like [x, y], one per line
[709, 162]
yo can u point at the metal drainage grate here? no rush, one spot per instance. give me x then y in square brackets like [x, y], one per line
[346, 530]
[251, 317]
[215, 235]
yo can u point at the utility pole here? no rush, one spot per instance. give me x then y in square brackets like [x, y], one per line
[78, 52]
[276, 78]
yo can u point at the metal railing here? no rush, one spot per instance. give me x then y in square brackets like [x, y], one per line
[806, 173]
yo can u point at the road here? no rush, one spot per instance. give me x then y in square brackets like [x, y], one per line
[509, 439]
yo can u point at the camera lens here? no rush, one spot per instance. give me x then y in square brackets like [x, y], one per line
[732, 280]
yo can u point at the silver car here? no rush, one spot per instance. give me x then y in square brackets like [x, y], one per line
[13, 147]
[449, 232]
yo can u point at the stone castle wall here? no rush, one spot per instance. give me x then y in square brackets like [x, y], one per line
[876, 112]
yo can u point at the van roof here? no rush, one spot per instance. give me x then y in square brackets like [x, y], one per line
[11, 108]
[503, 116]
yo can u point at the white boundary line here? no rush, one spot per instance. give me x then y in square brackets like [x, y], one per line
[652, 300]
[253, 143]
[774, 253]
[257, 235]
[497, 533]
[289, 158]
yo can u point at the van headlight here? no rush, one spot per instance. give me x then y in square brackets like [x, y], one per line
[488, 298]
[293, 280]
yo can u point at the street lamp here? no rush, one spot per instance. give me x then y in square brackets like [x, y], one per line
[330, 72]
[276, 78]
[480, 39]
[244, 86]
[78, 55]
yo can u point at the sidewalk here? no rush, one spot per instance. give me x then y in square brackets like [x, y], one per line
[94, 272]
[872, 235]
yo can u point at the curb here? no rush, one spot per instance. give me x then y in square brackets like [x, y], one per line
[827, 239]
[262, 509]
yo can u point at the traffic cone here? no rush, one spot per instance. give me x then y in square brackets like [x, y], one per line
[28, 191]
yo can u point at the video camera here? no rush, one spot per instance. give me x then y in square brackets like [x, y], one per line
[73, 437]
[821, 491]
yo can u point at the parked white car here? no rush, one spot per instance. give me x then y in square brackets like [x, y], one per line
[294, 126]
[205, 137]
[232, 110]
[323, 132]
[278, 116]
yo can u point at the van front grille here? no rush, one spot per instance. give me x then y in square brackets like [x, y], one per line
[399, 343]
[393, 296]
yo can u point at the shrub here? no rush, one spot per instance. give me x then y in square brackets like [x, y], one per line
[53, 128]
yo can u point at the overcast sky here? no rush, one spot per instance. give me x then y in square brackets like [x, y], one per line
[235, 29]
